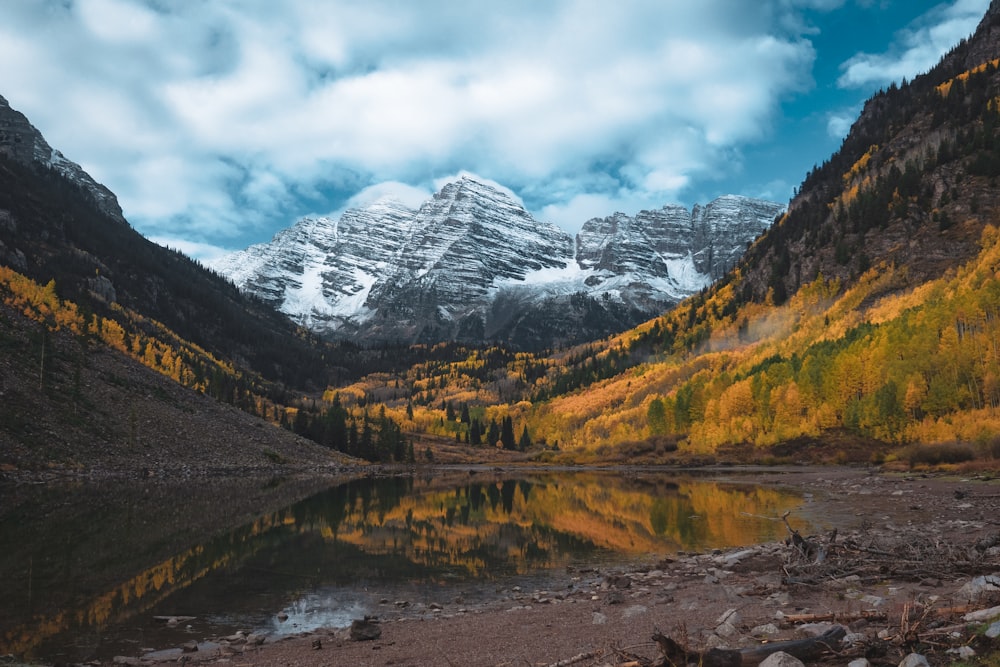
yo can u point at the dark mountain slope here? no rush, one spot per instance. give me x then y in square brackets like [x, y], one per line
[913, 183]
[68, 404]
[51, 229]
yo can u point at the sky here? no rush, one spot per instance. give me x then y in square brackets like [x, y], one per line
[219, 123]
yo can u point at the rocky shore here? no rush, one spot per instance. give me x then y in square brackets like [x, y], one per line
[913, 569]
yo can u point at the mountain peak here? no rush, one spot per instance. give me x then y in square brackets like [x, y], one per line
[22, 142]
[471, 264]
[472, 185]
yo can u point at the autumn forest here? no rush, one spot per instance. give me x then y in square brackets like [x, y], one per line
[863, 326]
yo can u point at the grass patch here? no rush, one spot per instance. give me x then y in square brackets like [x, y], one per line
[275, 457]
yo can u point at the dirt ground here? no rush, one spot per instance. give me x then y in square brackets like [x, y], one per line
[906, 549]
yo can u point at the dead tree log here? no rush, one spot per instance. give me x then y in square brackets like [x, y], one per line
[675, 655]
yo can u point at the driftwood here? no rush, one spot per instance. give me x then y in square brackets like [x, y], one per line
[580, 657]
[675, 655]
[837, 617]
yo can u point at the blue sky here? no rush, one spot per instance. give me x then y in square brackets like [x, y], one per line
[219, 123]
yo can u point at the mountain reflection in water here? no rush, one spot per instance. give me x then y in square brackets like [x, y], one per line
[323, 558]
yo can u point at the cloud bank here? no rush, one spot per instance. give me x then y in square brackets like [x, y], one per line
[216, 122]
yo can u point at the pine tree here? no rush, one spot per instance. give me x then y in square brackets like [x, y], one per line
[507, 433]
[525, 442]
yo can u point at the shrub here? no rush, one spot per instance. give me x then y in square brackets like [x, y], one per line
[948, 452]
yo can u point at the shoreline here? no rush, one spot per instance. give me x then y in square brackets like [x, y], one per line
[609, 616]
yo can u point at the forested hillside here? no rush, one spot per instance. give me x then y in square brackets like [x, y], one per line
[79, 273]
[863, 322]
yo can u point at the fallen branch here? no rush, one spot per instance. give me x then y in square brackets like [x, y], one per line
[675, 655]
[580, 657]
[840, 617]
[873, 615]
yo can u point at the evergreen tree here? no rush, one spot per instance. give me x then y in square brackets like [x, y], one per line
[493, 433]
[475, 433]
[465, 413]
[525, 442]
[507, 433]
[366, 445]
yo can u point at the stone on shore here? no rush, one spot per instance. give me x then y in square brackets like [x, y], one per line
[781, 659]
[366, 629]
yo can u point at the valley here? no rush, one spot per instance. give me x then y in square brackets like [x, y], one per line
[411, 394]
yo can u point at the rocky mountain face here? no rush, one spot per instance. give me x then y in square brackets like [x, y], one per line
[58, 224]
[20, 141]
[472, 265]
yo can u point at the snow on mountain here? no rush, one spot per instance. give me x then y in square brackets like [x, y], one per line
[472, 264]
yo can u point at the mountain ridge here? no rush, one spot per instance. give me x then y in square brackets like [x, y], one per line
[471, 264]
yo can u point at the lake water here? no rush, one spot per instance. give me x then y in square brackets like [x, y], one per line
[85, 569]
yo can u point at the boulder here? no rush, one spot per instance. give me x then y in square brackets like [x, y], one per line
[366, 629]
[781, 659]
[914, 660]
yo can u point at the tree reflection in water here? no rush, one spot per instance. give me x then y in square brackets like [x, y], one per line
[368, 534]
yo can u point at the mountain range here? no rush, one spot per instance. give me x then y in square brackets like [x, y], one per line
[472, 265]
[862, 325]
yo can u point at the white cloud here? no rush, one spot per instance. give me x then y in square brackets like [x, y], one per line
[838, 123]
[212, 120]
[203, 252]
[917, 48]
[408, 195]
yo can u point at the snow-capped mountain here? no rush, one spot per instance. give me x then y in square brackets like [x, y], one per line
[471, 264]
[20, 141]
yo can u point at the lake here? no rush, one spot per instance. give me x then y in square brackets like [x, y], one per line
[86, 568]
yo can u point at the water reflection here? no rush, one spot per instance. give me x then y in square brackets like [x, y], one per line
[323, 558]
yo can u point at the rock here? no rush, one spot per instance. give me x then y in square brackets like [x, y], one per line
[599, 618]
[173, 620]
[282, 617]
[726, 630]
[765, 630]
[366, 629]
[853, 638]
[634, 610]
[873, 601]
[254, 639]
[781, 659]
[730, 616]
[914, 660]
[993, 631]
[860, 662]
[963, 652]
[317, 644]
[727, 561]
[190, 647]
[974, 589]
[982, 615]
[814, 629]
[125, 660]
